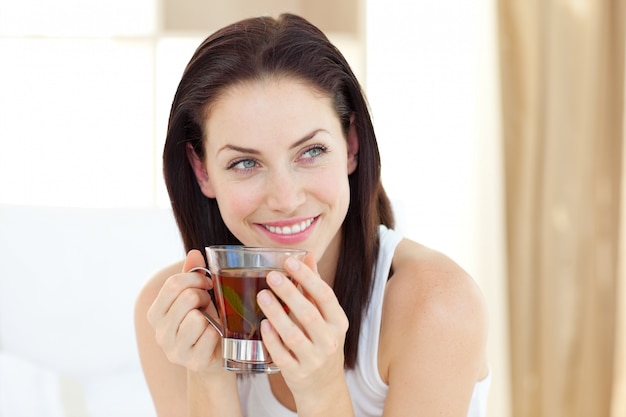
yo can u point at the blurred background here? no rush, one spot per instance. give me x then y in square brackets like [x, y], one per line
[500, 124]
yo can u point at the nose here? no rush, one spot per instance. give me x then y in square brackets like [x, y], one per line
[285, 191]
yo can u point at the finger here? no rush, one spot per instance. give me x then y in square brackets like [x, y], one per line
[212, 311]
[168, 327]
[178, 283]
[188, 300]
[315, 289]
[193, 259]
[207, 349]
[309, 260]
[195, 344]
[193, 327]
[281, 355]
[295, 334]
[171, 290]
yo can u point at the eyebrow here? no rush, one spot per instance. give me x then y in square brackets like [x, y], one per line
[257, 152]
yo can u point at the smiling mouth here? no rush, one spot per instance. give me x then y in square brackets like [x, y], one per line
[290, 230]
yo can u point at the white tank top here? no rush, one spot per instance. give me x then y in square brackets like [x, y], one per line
[367, 389]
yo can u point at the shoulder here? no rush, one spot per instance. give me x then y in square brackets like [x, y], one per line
[429, 278]
[432, 307]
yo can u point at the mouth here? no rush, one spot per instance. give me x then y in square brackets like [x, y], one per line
[291, 229]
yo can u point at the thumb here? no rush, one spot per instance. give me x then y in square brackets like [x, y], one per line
[194, 258]
[309, 260]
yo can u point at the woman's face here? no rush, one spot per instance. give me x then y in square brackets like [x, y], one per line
[277, 161]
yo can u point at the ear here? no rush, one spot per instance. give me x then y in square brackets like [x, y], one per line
[353, 147]
[199, 169]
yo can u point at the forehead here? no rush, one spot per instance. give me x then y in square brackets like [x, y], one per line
[273, 106]
[272, 86]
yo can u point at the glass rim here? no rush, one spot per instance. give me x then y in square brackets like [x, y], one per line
[254, 249]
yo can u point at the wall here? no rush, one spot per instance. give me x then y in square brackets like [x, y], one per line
[432, 81]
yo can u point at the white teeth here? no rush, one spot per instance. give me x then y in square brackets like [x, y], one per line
[290, 230]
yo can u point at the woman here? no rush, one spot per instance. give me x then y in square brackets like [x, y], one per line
[270, 143]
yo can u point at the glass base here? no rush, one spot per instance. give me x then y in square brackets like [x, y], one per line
[250, 367]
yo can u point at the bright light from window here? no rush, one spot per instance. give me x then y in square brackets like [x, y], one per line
[76, 122]
[77, 17]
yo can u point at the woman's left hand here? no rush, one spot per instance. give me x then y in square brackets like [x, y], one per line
[306, 344]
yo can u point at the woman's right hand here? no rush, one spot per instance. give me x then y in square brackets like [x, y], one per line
[180, 328]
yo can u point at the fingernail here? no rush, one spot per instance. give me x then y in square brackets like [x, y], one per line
[275, 278]
[266, 326]
[263, 298]
[292, 264]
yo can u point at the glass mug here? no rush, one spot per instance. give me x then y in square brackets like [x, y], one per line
[238, 274]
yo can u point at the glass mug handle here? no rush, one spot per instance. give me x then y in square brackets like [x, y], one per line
[210, 319]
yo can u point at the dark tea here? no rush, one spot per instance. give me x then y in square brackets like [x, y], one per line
[237, 290]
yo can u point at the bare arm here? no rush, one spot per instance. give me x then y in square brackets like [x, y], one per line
[433, 335]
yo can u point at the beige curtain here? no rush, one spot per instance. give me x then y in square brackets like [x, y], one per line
[562, 72]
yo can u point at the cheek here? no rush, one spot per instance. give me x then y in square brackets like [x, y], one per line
[333, 188]
[236, 204]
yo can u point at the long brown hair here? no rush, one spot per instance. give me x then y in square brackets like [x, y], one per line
[257, 48]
